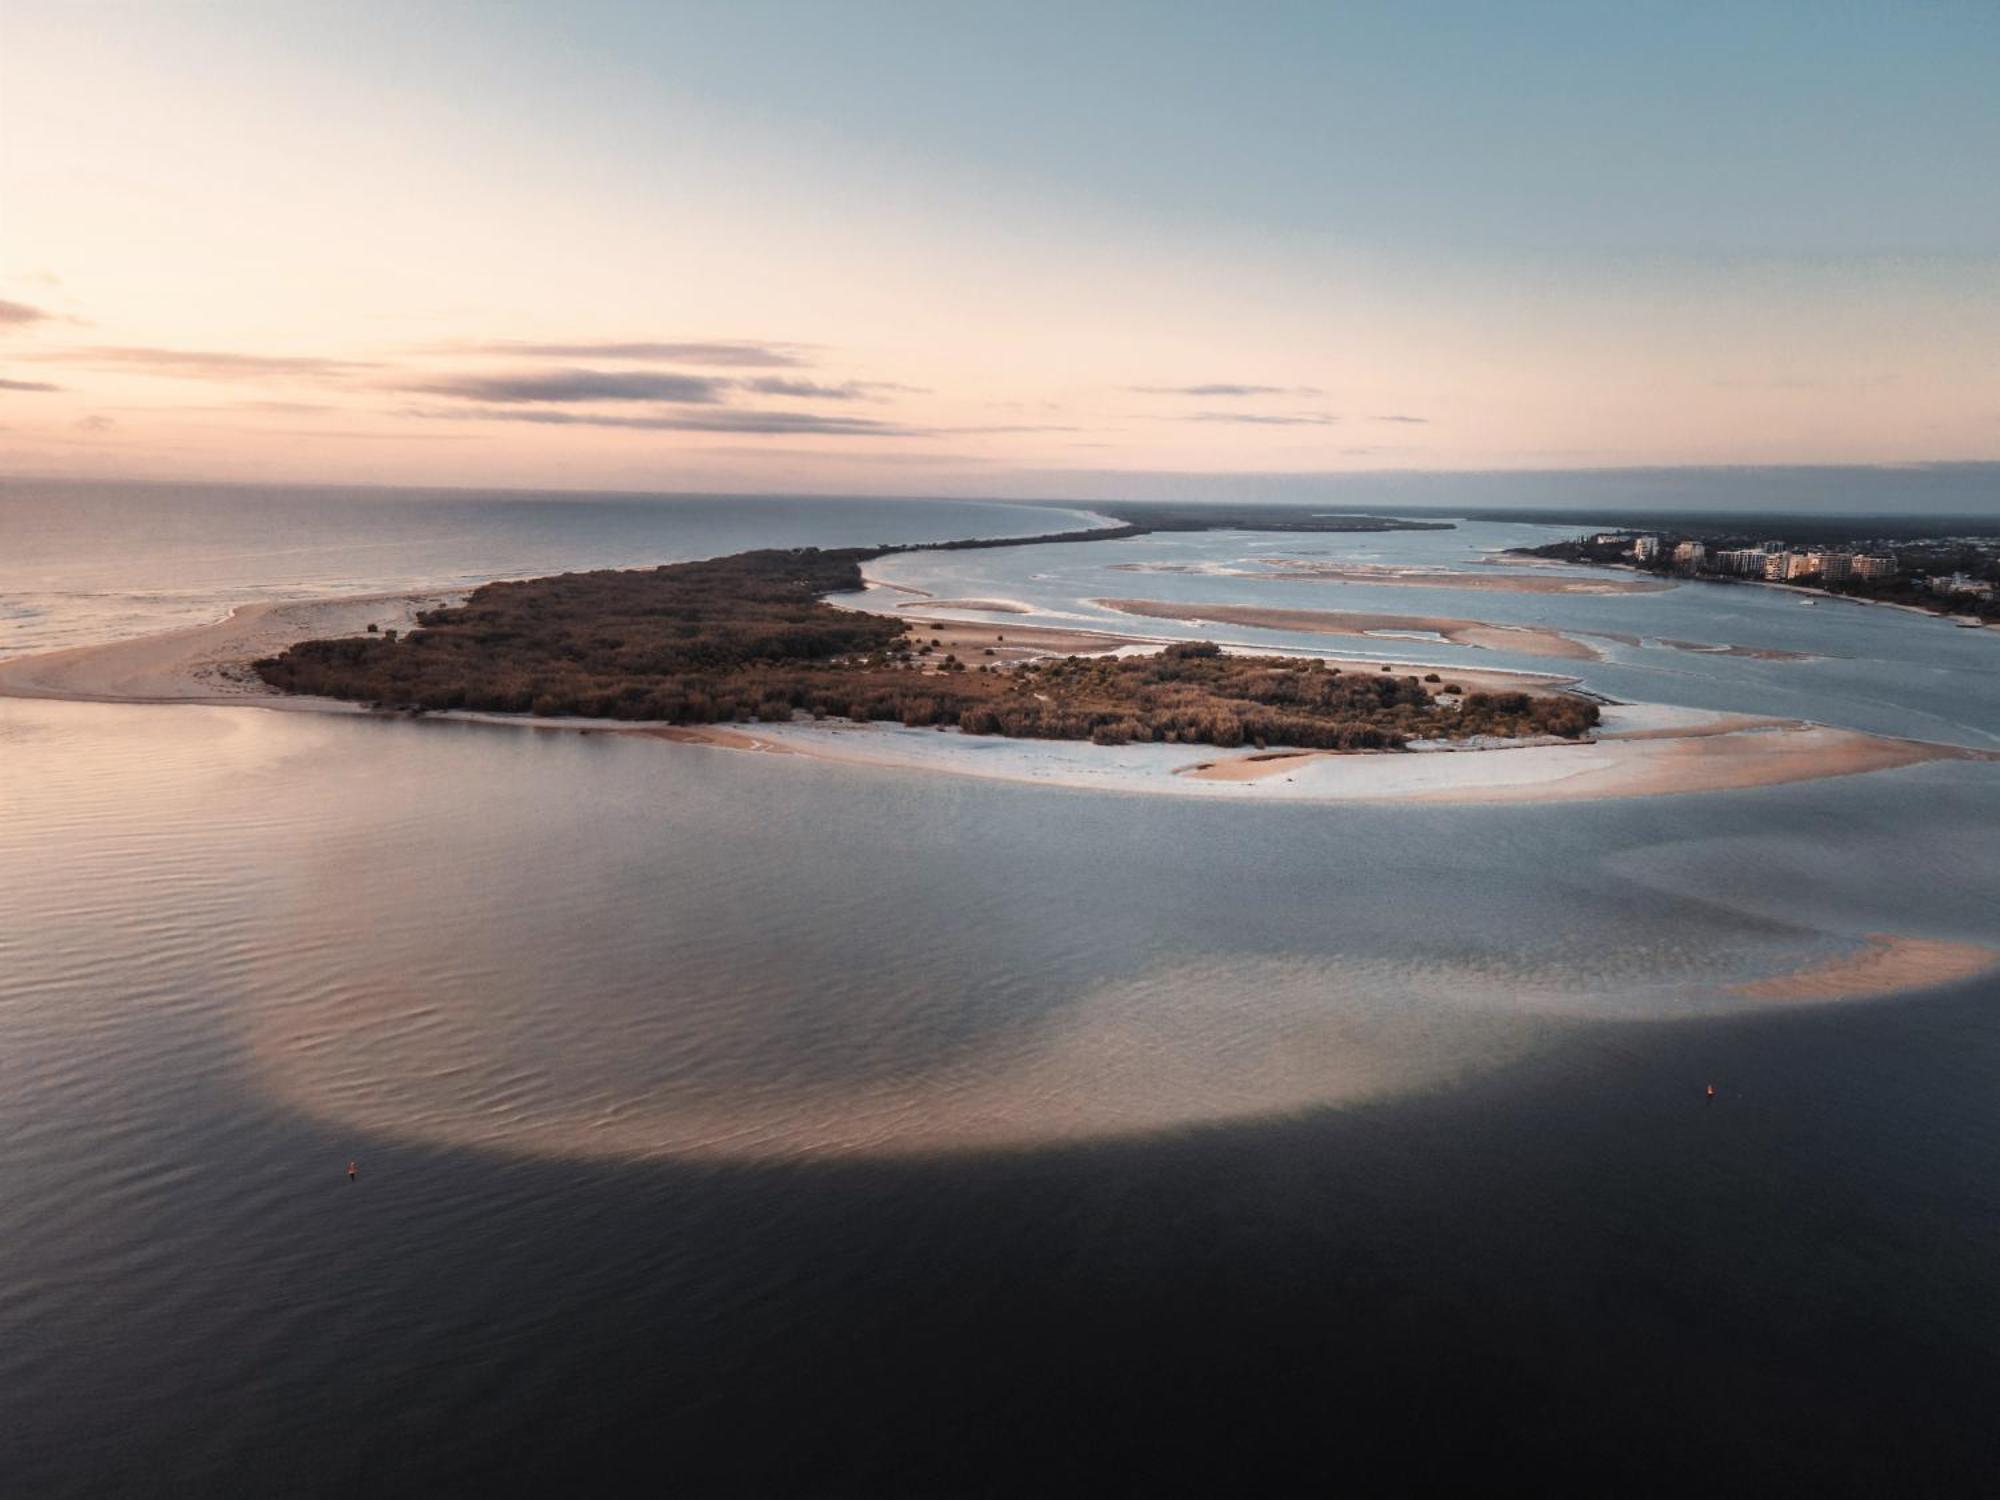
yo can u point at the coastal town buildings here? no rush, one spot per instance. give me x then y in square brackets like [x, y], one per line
[1960, 583]
[1747, 561]
[1954, 574]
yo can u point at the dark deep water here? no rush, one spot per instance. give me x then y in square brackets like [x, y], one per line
[1574, 1271]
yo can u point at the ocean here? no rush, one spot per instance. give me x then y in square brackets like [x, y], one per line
[755, 1125]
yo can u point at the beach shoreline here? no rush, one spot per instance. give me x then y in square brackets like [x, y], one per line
[1643, 750]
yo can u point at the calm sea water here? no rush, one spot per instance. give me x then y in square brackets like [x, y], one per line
[81, 563]
[749, 1125]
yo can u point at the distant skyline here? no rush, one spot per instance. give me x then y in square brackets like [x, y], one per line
[1081, 251]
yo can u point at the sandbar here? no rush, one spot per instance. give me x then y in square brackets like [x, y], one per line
[978, 606]
[1293, 569]
[1523, 640]
[1721, 760]
[1883, 965]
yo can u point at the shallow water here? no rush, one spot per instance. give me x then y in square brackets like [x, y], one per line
[756, 1125]
[1887, 671]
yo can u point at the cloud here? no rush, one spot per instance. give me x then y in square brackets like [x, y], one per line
[1226, 388]
[740, 421]
[27, 385]
[1263, 419]
[824, 455]
[94, 423]
[1397, 417]
[734, 353]
[734, 420]
[847, 390]
[14, 314]
[204, 364]
[556, 386]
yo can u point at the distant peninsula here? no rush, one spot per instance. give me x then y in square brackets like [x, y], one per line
[751, 638]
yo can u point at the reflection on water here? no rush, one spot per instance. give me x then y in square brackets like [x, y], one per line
[575, 1003]
[600, 946]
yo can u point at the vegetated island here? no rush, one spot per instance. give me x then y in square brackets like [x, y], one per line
[750, 637]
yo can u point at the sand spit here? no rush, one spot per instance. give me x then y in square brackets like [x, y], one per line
[1649, 764]
[1702, 758]
[1291, 569]
[1523, 640]
[1882, 966]
[207, 663]
[980, 606]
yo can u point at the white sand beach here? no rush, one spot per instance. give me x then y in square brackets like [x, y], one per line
[206, 663]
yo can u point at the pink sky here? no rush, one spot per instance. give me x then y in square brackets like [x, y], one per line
[227, 253]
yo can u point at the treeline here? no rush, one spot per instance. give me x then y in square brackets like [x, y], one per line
[749, 637]
[612, 644]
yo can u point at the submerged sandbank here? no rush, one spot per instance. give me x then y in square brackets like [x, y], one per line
[1883, 965]
[1177, 1043]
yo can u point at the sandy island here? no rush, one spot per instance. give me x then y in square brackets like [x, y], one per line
[1523, 640]
[1641, 750]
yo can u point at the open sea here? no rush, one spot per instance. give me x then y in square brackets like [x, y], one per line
[753, 1125]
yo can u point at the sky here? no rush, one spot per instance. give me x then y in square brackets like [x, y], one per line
[1091, 248]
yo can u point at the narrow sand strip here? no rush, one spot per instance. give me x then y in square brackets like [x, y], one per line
[1884, 965]
[1296, 569]
[1703, 762]
[1523, 640]
[206, 663]
[1586, 771]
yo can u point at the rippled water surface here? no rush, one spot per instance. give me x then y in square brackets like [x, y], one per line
[753, 1125]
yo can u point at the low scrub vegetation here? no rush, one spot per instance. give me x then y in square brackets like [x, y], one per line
[750, 637]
